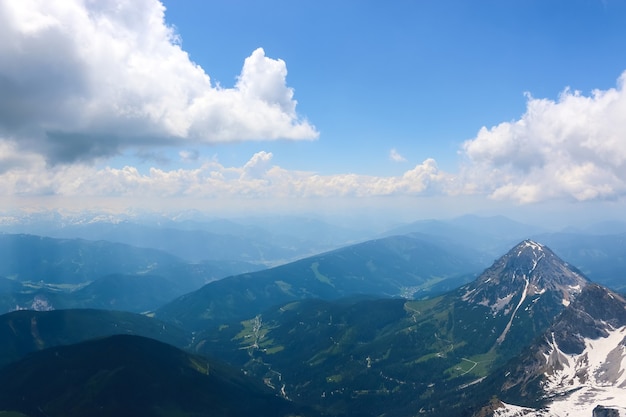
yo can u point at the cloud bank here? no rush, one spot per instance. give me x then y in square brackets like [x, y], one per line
[81, 80]
[257, 178]
[574, 147]
[570, 148]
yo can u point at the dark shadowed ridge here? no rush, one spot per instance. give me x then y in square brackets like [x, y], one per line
[133, 376]
[25, 331]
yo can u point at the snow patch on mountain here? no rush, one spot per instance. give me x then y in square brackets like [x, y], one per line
[601, 364]
[510, 410]
[521, 301]
[500, 304]
[535, 246]
[528, 271]
[576, 383]
[562, 410]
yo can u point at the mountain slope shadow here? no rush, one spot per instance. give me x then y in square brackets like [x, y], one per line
[26, 331]
[127, 375]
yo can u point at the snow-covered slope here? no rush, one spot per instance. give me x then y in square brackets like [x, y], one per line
[560, 409]
[579, 365]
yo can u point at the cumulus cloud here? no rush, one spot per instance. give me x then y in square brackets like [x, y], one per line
[395, 156]
[573, 147]
[257, 166]
[80, 80]
[257, 178]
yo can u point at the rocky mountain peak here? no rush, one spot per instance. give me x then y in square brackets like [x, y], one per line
[529, 269]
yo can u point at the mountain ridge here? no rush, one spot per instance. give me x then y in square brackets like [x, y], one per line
[429, 353]
[26, 331]
[386, 267]
[42, 272]
[117, 376]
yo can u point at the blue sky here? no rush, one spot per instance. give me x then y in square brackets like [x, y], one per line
[406, 109]
[420, 76]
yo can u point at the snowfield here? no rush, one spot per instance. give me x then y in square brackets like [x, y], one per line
[579, 383]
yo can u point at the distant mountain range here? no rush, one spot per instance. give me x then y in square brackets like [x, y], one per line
[416, 323]
[490, 237]
[45, 273]
[263, 242]
[598, 250]
[268, 241]
[388, 267]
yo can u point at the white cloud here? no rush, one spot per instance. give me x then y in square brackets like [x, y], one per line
[85, 79]
[257, 166]
[574, 147]
[395, 156]
[257, 179]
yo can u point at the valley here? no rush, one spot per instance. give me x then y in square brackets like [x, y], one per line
[395, 325]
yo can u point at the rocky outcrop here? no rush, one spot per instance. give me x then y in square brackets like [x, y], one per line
[601, 411]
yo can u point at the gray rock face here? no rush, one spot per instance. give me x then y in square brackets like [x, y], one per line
[601, 411]
[593, 313]
[531, 269]
[579, 358]
[527, 288]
